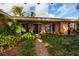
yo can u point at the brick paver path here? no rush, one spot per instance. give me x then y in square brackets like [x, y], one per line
[41, 50]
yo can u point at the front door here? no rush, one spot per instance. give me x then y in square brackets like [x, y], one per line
[25, 26]
[36, 28]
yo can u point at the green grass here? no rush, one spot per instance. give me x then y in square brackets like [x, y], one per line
[62, 45]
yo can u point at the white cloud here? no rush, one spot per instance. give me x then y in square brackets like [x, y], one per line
[27, 6]
[17, 4]
[8, 6]
[2, 7]
[41, 10]
[51, 15]
[66, 9]
[70, 18]
[63, 10]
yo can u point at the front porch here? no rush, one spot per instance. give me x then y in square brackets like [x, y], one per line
[49, 27]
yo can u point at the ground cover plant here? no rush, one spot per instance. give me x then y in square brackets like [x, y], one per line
[60, 45]
[28, 49]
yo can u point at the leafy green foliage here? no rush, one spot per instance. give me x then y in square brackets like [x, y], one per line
[29, 36]
[5, 31]
[15, 27]
[12, 27]
[62, 45]
[11, 34]
[17, 10]
[32, 14]
[11, 40]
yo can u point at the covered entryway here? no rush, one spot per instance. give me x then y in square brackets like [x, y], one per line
[36, 28]
[25, 26]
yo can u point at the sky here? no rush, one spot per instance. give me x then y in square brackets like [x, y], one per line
[52, 10]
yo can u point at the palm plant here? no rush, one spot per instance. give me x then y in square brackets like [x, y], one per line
[15, 27]
[32, 14]
[17, 10]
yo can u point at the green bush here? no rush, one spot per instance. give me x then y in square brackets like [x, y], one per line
[14, 26]
[29, 36]
[11, 34]
[7, 41]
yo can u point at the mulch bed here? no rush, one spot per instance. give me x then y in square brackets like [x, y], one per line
[11, 51]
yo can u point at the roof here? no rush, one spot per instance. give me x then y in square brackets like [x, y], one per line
[35, 18]
[42, 19]
[4, 13]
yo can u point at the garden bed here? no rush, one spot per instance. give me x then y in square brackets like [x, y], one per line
[27, 49]
[24, 48]
[59, 45]
[12, 36]
[11, 45]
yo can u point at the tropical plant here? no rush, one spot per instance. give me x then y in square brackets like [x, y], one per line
[15, 27]
[32, 14]
[7, 34]
[29, 36]
[17, 10]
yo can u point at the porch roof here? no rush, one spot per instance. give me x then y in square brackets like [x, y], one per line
[4, 13]
[43, 19]
[37, 18]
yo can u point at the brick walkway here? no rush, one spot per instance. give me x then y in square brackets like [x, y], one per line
[40, 48]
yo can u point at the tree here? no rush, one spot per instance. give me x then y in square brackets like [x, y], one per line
[15, 27]
[17, 10]
[32, 14]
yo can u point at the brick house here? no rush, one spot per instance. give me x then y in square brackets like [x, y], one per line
[46, 25]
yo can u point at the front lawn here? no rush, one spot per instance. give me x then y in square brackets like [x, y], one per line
[62, 45]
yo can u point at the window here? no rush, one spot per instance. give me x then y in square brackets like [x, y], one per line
[48, 28]
[36, 28]
[25, 26]
[78, 26]
[53, 27]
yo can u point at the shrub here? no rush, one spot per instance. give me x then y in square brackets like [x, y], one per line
[29, 36]
[14, 26]
[8, 41]
[11, 34]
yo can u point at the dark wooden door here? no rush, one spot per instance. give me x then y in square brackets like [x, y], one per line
[36, 28]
